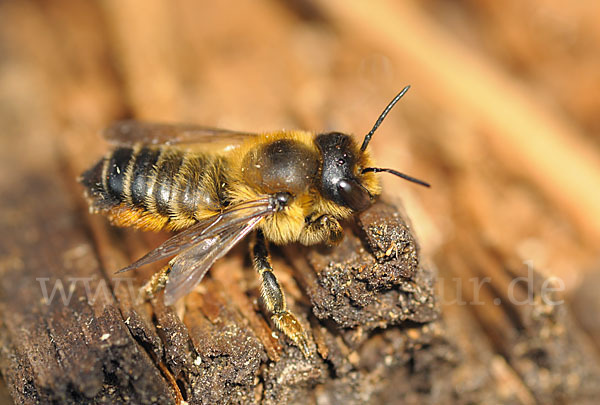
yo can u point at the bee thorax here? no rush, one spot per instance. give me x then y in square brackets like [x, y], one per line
[281, 166]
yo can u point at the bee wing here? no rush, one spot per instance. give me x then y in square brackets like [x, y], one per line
[131, 132]
[204, 232]
[188, 268]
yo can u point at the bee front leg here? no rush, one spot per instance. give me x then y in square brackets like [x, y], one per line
[274, 298]
[322, 228]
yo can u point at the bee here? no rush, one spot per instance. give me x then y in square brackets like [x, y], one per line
[216, 186]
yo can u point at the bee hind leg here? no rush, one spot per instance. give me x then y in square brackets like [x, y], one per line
[274, 298]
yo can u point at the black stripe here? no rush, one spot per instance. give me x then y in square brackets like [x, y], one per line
[116, 171]
[221, 180]
[145, 160]
[189, 185]
[165, 179]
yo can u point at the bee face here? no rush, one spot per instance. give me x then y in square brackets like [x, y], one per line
[341, 170]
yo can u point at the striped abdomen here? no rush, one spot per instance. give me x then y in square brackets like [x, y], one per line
[156, 187]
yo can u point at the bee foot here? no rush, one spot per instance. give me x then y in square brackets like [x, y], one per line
[292, 328]
[156, 283]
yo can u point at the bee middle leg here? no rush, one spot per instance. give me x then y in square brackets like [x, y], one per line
[157, 282]
[274, 298]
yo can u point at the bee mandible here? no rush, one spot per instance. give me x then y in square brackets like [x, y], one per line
[217, 186]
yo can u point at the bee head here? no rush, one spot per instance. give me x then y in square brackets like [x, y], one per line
[340, 178]
[344, 164]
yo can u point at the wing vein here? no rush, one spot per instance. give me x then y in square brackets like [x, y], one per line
[230, 218]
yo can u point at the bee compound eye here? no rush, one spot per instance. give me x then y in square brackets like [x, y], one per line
[345, 186]
[355, 196]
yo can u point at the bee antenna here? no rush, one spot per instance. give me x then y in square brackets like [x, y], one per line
[396, 173]
[381, 118]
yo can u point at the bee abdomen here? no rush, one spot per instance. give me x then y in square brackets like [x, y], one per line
[106, 180]
[198, 186]
[142, 174]
[153, 188]
[161, 187]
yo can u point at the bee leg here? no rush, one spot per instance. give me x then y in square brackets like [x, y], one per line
[156, 283]
[273, 297]
[323, 228]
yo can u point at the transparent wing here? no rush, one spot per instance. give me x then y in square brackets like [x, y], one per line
[203, 233]
[188, 268]
[131, 132]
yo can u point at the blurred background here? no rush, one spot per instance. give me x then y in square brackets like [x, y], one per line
[502, 117]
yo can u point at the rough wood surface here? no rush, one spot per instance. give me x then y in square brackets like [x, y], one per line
[88, 340]
[468, 314]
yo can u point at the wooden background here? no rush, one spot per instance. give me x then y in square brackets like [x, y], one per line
[502, 119]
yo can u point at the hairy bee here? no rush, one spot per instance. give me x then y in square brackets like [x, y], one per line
[217, 186]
